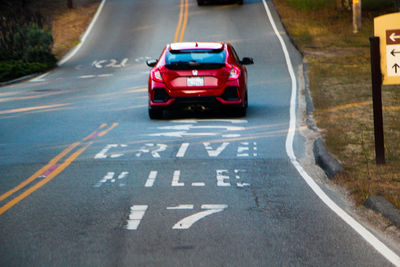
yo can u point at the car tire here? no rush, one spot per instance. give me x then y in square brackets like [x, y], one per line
[155, 114]
[200, 2]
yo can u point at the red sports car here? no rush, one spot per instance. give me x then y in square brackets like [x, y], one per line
[196, 76]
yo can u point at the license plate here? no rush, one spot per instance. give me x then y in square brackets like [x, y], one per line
[195, 81]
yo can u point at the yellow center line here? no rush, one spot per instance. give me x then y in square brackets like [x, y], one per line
[184, 21]
[39, 172]
[179, 23]
[52, 173]
[115, 124]
[35, 187]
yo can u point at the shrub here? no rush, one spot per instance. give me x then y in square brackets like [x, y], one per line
[377, 4]
[10, 70]
[32, 44]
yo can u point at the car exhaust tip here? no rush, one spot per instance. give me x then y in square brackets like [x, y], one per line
[196, 108]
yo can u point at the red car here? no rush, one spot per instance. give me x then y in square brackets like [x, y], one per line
[196, 76]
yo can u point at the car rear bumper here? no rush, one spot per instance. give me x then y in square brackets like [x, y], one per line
[196, 103]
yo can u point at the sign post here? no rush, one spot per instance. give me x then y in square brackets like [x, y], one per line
[376, 76]
[385, 69]
[356, 16]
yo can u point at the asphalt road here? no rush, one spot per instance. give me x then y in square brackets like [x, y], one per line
[87, 179]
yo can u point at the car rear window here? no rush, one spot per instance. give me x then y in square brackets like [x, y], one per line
[195, 59]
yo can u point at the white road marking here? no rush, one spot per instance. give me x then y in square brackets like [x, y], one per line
[123, 62]
[361, 230]
[135, 216]
[182, 150]
[175, 179]
[181, 134]
[187, 222]
[215, 152]
[230, 135]
[222, 177]
[122, 175]
[181, 207]
[151, 179]
[105, 75]
[209, 120]
[40, 78]
[153, 149]
[242, 184]
[108, 177]
[103, 153]
[86, 76]
[94, 76]
[113, 64]
[85, 35]
[198, 184]
[98, 63]
[187, 127]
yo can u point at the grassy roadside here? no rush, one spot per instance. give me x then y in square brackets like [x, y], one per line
[67, 25]
[340, 84]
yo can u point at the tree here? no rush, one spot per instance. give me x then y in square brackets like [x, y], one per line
[343, 4]
[397, 5]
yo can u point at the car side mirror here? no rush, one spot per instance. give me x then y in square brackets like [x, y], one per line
[247, 61]
[151, 62]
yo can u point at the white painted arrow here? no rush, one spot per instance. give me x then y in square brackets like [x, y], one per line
[393, 37]
[97, 63]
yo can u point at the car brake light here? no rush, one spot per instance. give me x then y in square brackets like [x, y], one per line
[234, 73]
[156, 75]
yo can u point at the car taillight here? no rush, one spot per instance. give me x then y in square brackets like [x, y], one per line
[156, 75]
[234, 73]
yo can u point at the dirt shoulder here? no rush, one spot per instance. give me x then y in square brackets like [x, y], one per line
[67, 25]
[340, 85]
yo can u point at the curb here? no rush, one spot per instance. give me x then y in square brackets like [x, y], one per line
[21, 79]
[325, 160]
[331, 166]
[384, 208]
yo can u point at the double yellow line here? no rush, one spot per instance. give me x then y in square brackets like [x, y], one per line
[51, 169]
[183, 17]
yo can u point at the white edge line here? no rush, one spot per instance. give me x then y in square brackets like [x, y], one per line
[84, 37]
[361, 230]
[40, 78]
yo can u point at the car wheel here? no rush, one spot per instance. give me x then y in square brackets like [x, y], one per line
[200, 2]
[155, 114]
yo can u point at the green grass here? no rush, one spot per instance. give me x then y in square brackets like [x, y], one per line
[311, 5]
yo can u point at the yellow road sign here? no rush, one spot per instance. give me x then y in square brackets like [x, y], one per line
[387, 28]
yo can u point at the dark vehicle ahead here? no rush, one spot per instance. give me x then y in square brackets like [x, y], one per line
[202, 2]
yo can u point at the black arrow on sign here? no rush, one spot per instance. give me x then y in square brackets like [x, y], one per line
[394, 52]
[395, 66]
